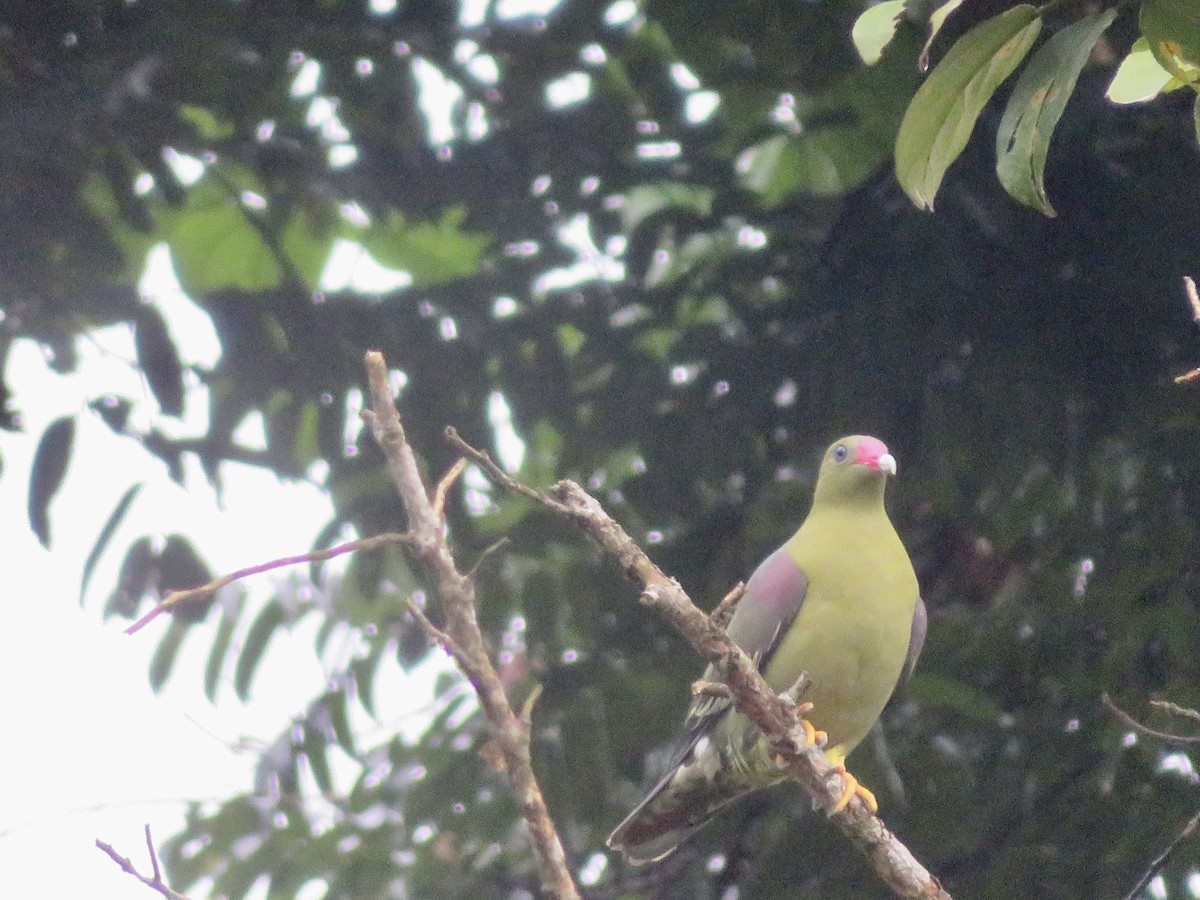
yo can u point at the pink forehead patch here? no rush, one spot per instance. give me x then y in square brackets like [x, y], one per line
[869, 451]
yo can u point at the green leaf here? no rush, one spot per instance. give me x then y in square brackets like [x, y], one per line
[110, 527]
[180, 568]
[166, 653]
[216, 656]
[335, 702]
[314, 751]
[49, 468]
[363, 671]
[1036, 105]
[158, 359]
[431, 252]
[138, 569]
[936, 21]
[645, 200]
[875, 28]
[207, 125]
[1172, 28]
[98, 196]
[213, 244]
[966, 699]
[942, 115]
[1140, 78]
[307, 240]
[825, 162]
[270, 618]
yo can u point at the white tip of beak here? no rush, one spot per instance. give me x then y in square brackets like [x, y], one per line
[887, 463]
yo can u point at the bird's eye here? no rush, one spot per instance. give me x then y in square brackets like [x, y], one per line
[840, 453]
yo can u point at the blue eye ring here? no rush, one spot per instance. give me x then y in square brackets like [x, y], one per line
[840, 453]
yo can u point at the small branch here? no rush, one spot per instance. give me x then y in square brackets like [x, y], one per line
[724, 610]
[464, 640]
[497, 475]
[175, 598]
[1193, 296]
[1174, 709]
[777, 717]
[1163, 858]
[443, 487]
[154, 881]
[1129, 721]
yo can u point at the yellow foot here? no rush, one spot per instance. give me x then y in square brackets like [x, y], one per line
[813, 736]
[850, 787]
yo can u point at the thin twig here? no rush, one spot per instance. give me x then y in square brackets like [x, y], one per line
[456, 592]
[1163, 858]
[1193, 296]
[1174, 709]
[777, 717]
[724, 610]
[490, 549]
[443, 487]
[175, 598]
[435, 634]
[497, 475]
[1126, 719]
[154, 882]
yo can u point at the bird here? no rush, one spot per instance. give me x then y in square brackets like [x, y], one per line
[839, 604]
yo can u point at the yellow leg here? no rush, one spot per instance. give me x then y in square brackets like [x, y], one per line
[850, 785]
[812, 736]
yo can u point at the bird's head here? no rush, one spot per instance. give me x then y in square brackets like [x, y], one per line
[854, 468]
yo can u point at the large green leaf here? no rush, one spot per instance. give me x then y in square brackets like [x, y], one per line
[942, 115]
[431, 252]
[106, 533]
[826, 162]
[214, 245]
[219, 242]
[936, 21]
[1140, 77]
[875, 28]
[49, 468]
[1036, 105]
[1172, 28]
[220, 646]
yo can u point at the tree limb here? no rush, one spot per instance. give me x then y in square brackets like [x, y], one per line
[456, 592]
[1129, 721]
[1163, 858]
[154, 881]
[778, 718]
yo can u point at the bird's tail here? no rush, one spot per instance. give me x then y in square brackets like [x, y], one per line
[684, 800]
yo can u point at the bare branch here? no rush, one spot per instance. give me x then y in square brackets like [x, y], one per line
[1163, 858]
[443, 487]
[176, 598]
[1175, 709]
[1129, 721]
[776, 716]
[155, 881]
[464, 640]
[1193, 297]
[725, 609]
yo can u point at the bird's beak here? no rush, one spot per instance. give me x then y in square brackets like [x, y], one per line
[873, 454]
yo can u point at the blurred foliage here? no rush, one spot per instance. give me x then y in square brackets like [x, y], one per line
[667, 237]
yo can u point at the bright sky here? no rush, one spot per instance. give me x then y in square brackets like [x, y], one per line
[90, 751]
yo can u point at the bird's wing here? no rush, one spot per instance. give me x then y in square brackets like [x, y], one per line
[772, 599]
[916, 640]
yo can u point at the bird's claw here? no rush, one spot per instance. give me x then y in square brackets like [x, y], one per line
[851, 787]
[813, 737]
